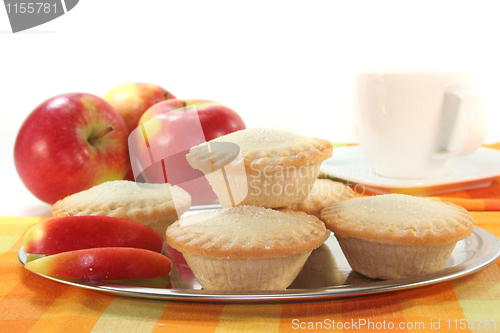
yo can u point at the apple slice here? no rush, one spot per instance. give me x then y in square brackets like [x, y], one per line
[105, 263]
[85, 232]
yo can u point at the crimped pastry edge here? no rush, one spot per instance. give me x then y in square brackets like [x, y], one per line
[144, 214]
[185, 241]
[332, 218]
[314, 204]
[313, 151]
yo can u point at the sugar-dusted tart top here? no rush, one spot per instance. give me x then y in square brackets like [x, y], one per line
[261, 148]
[246, 232]
[324, 192]
[399, 219]
[142, 203]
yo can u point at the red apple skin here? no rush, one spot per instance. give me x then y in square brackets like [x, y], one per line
[85, 232]
[216, 119]
[105, 263]
[131, 100]
[173, 133]
[52, 153]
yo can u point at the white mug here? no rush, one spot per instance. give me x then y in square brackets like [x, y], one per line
[414, 124]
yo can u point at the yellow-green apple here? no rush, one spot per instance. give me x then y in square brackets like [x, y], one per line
[131, 100]
[169, 129]
[84, 232]
[103, 263]
[70, 143]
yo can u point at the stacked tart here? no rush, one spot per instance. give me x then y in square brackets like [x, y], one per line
[247, 245]
[261, 166]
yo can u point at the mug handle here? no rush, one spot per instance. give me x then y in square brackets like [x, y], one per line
[477, 123]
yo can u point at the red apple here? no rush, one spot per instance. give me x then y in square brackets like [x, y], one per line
[84, 232]
[105, 263]
[168, 130]
[70, 143]
[131, 100]
[216, 119]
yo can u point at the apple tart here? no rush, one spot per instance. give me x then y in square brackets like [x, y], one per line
[260, 166]
[324, 192]
[154, 205]
[246, 247]
[395, 235]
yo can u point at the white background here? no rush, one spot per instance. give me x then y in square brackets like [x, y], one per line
[282, 64]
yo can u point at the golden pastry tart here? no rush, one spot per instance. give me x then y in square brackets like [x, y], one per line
[260, 166]
[323, 193]
[393, 236]
[246, 247]
[154, 205]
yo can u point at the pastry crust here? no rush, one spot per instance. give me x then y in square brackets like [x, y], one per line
[153, 205]
[261, 166]
[393, 261]
[323, 193]
[247, 247]
[264, 189]
[399, 219]
[262, 149]
[246, 232]
[246, 274]
[394, 235]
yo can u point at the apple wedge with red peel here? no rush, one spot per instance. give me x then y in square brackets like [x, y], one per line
[105, 263]
[84, 232]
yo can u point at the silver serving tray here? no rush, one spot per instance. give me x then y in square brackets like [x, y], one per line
[326, 275]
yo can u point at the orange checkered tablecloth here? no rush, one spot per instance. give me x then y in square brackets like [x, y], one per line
[30, 303]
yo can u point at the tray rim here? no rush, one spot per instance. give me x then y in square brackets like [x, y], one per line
[490, 252]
